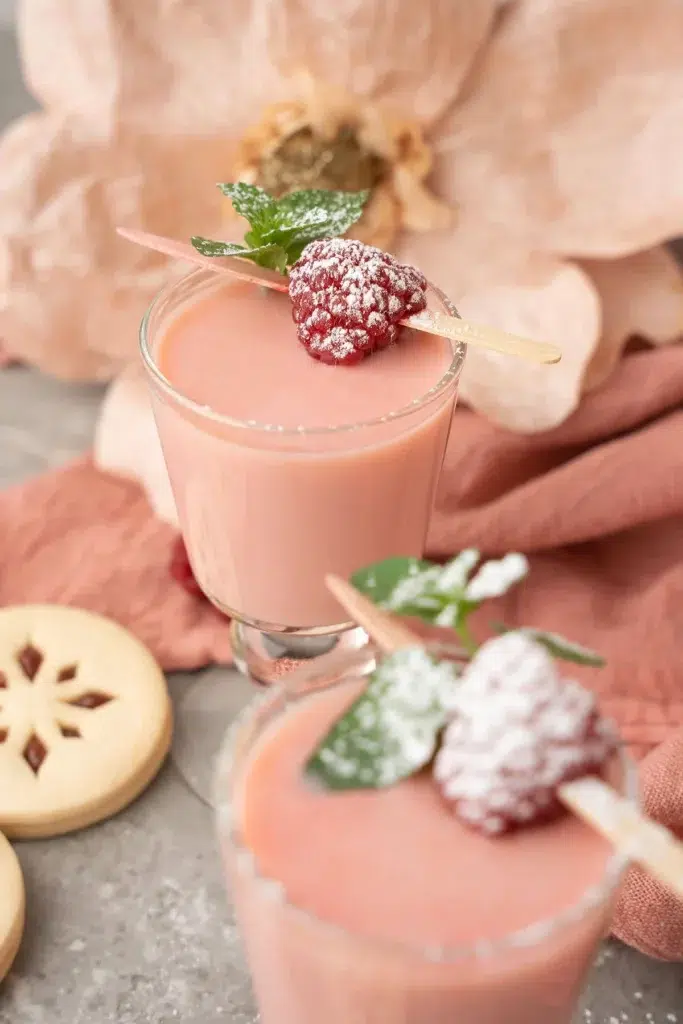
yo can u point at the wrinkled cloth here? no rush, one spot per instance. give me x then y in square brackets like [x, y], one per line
[80, 537]
[597, 504]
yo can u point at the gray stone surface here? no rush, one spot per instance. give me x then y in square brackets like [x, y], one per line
[128, 922]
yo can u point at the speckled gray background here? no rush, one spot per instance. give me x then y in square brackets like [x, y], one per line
[128, 922]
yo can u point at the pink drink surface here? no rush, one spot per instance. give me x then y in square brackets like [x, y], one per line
[396, 865]
[266, 514]
[237, 352]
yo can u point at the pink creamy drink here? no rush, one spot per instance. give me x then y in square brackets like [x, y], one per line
[283, 468]
[382, 908]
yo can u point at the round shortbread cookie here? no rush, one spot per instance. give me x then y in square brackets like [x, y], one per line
[12, 906]
[85, 719]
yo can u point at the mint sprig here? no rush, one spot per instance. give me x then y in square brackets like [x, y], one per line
[446, 595]
[272, 256]
[280, 229]
[442, 595]
[391, 730]
[393, 727]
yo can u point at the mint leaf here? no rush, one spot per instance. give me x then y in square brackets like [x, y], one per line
[391, 730]
[558, 646]
[254, 204]
[207, 247]
[453, 576]
[496, 577]
[409, 586]
[272, 256]
[302, 217]
[280, 229]
[442, 595]
[567, 650]
[377, 581]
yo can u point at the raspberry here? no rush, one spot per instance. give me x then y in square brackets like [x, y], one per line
[181, 570]
[518, 732]
[349, 298]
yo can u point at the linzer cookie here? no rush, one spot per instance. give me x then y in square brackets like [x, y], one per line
[85, 719]
[12, 906]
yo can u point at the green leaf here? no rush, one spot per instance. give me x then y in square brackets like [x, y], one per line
[301, 217]
[558, 646]
[272, 256]
[412, 587]
[453, 576]
[415, 587]
[207, 247]
[254, 204]
[567, 650]
[279, 229]
[377, 581]
[443, 595]
[391, 730]
[496, 577]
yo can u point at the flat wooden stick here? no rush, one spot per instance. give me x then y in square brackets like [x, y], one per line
[243, 269]
[430, 322]
[647, 843]
[388, 633]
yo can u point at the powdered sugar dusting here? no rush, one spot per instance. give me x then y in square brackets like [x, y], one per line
[435, 592]
[417, 589]
[348, 298]
[497, 577]
[518, 731]
[391, 730]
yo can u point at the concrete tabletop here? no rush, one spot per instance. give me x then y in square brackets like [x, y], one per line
[128, 922]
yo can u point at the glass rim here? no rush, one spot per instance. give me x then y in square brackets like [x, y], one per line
[459, 350]
[530, 935]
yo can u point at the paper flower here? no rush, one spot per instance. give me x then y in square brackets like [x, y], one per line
[525, 155]
[327, 138]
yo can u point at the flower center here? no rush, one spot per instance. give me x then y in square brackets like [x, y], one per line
[305, 160]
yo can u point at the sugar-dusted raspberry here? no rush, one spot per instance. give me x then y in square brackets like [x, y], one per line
[348, 299]
[518, 732]
[181, 570]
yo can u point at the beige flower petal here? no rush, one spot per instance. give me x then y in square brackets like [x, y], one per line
[554, 302]
[641, 295]
[146, 102]
[194, 67]
[179, 68]
[71, 292]
[127, 442]
[570, 134]
[415, 57]
[465, 257]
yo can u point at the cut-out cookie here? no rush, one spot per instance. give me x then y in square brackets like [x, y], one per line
[85, 719]
[12, 906]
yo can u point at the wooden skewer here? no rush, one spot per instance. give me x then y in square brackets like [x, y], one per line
[429, 321]
[647, 843]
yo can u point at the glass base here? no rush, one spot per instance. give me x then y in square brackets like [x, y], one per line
[210, 705]
[268, 657]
